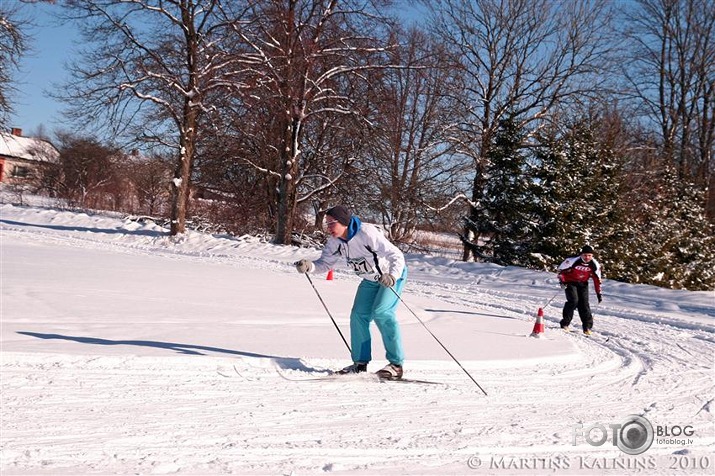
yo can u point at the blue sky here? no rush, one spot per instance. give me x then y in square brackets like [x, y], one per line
[51, 45]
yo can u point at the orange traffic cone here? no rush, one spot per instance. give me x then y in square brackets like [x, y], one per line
[539, 325]
[330, 275]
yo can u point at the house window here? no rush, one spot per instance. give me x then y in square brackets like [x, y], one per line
[18, 171]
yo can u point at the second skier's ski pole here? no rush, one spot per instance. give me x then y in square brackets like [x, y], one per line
[547, 304]
[326, 310]
[438, 341]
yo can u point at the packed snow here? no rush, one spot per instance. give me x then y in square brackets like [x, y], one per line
[126, 351]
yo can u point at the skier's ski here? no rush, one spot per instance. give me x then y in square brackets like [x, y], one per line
[592, 336]
[361, 377]
[581, 335]
[331, 376]
[341, 378]
[309, 378]
[410, 380]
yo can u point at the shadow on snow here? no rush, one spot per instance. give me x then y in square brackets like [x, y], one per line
[188, 349]
[86, 229]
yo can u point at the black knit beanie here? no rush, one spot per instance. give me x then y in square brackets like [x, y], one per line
[341, 214]
[587, 249]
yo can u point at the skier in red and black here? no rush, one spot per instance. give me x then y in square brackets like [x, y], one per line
[574, 274]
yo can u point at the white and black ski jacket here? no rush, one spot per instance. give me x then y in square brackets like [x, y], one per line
[366, 251]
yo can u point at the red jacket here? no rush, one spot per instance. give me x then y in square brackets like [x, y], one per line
[576, 270]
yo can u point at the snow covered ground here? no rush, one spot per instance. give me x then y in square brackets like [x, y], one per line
[127, 352]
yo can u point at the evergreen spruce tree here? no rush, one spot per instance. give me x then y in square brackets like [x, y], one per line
[576, 191]
[675, 239]
[647, 225]
[504, 229]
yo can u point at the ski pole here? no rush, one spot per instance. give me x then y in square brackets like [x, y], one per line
[326, 310]
[438, 341]
[547, 304]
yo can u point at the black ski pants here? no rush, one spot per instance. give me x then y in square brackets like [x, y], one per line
[577, 298]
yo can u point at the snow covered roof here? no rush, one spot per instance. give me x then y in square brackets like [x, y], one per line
[27, 148]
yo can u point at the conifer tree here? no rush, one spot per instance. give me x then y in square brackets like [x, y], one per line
[504, 225]
[647, 225]
[577, 187]
[673, 240]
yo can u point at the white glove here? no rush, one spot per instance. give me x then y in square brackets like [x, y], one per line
[304, 266]
[387, 280]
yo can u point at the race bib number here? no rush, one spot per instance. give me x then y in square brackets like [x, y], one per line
[360, 266]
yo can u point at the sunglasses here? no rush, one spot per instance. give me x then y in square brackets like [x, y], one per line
[331, 223]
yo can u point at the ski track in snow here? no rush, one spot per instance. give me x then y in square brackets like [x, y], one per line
[212, 414]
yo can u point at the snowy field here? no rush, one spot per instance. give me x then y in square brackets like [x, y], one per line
[127, 352]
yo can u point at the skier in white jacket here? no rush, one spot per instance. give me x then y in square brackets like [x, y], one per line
[382, 266]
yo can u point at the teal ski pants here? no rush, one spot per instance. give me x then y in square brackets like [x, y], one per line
[375, 302]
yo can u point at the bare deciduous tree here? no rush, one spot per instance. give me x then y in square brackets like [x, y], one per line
[149, 180]
[88, 170]
[412, 164]
[157, 66]
[518, 58]
[13, 45]
[312, 51]
[671, 71]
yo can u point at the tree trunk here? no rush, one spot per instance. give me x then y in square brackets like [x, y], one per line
[477, 186]
[182, 176]
[288, 191]
[710, 207]
[180, 194]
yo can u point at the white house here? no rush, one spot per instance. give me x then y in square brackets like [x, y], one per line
[21, 157]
